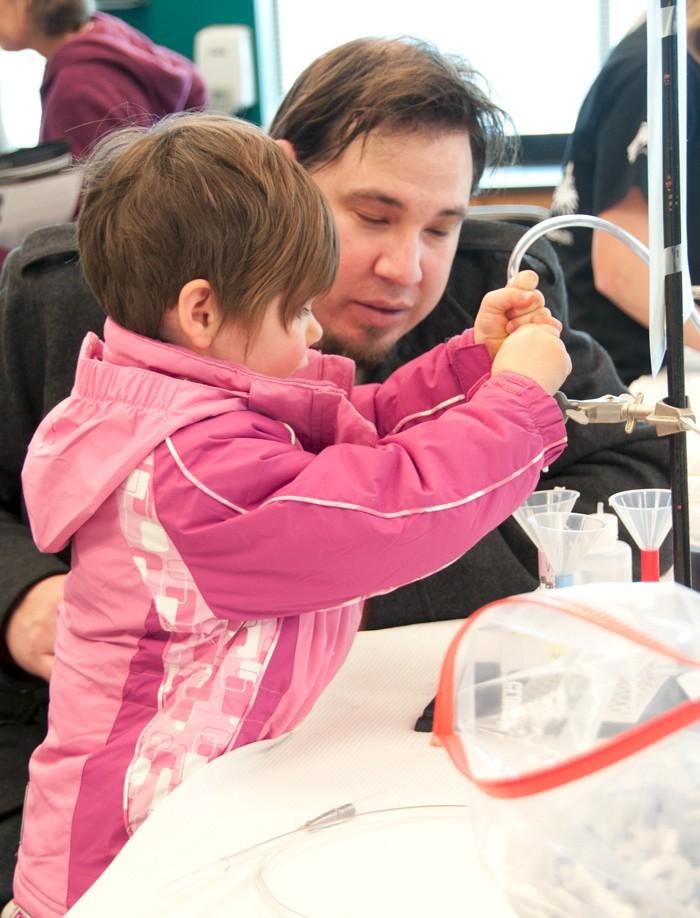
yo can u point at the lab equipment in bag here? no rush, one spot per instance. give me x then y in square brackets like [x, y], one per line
[224, 54]
[559, 500]
[610, 559]
[566, 539]
[575, 714]
[646, 514]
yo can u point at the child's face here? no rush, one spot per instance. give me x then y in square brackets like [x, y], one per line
[274, 350]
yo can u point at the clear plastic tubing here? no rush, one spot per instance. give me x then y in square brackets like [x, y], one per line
[586, 220]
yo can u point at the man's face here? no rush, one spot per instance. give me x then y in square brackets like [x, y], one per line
[14, 24]
[399, 200]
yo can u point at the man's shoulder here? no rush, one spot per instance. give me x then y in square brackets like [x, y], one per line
[492, 238]
[46, 245]
[489, 235]
[43, 282]
[485, 247]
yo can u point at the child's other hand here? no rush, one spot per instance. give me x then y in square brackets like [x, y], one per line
[504, 311]
[535, 351]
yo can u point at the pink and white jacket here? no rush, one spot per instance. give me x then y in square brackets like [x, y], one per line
[226, 527]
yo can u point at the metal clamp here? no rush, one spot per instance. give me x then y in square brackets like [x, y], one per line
[627, 409]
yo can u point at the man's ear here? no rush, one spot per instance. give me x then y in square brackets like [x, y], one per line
[288, 148]
[197, 314]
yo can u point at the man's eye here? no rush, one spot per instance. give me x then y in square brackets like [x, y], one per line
[366, 218]
[438, 232]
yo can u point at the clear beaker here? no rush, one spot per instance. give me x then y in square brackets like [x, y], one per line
[555, 500]
[566, 538]
[646, 514]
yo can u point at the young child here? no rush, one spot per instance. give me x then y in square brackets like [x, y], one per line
[230, 498]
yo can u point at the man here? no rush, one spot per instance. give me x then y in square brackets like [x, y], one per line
[396, 136]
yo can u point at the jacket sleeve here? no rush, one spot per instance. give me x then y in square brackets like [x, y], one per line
[598, 460]
[352, 520]
[426, 385]
[40, 285]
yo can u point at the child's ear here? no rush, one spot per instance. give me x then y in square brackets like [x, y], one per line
[198, 314]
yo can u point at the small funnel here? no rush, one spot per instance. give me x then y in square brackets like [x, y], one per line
[566, 538]
[646, 514]
[556, 500]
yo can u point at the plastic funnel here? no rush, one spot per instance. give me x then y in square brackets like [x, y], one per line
[566, 538]
[558, 500]
[646, 514]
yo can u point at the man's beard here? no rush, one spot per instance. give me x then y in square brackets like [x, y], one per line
[369, 354]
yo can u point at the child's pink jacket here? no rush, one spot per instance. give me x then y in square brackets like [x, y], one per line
[225, 530]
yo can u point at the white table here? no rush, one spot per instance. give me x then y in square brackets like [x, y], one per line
[357, 745]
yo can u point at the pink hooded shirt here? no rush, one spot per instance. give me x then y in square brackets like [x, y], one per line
[112, 76]
[225, 529]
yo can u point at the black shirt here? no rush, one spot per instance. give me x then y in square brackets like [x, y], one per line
[606, 156]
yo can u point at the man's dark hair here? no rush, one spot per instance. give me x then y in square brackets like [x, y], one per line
[389, 84]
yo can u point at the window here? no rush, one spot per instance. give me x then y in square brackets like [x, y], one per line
[20, 106]
[539, 58]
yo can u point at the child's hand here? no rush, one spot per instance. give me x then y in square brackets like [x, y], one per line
[505, 310]
[536, 351]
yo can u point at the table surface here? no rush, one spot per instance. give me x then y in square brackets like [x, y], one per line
[357, 745]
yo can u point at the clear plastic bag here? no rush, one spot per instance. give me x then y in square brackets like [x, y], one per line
[576, 716]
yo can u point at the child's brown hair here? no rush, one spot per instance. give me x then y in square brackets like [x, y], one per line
[202, 196]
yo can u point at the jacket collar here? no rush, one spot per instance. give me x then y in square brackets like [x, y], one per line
[314, 402]
[126, 348]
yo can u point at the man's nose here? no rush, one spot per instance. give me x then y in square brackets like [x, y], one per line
[400, 261]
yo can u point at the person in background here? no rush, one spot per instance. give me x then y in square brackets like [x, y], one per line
[204, 443]
[606, 175]
[101, 74]
[410, 266]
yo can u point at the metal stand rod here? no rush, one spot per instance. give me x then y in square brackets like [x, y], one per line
[673, 291]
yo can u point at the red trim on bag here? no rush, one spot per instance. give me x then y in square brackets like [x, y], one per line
[637, 738]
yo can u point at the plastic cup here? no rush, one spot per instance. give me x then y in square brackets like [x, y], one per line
[566, 538]
[556, 500]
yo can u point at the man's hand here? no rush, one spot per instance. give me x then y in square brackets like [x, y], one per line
[31, 630]
[504, 311]
[538, 352]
